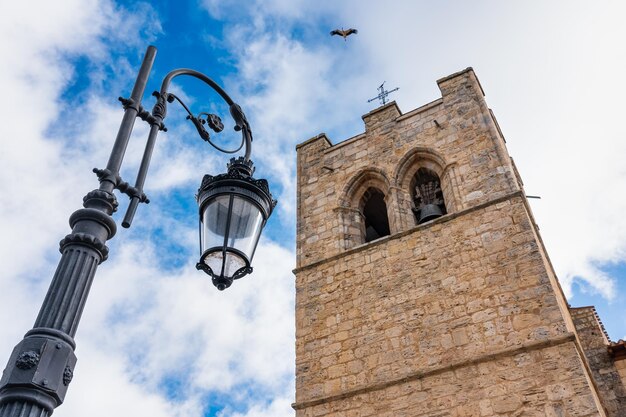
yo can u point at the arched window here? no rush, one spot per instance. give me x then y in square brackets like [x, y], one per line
[427, 196]
[374, 212]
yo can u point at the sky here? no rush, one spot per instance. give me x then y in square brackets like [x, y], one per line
[156, 338]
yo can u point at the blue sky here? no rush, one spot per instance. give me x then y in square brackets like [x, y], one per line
[155, 334]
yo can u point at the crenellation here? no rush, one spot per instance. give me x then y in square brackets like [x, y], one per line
[382, 119]
[595, 343]
[356, 156]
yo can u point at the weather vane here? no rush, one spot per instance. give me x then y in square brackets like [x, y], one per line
[382, 94]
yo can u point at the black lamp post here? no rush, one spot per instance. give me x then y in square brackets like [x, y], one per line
[234, 208]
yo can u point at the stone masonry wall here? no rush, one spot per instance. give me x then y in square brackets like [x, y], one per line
[460, 316]
[461, 289]
[621, 369]
[605, 374]
[505, 386]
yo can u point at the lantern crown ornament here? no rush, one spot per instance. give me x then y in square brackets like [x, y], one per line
[234, 208]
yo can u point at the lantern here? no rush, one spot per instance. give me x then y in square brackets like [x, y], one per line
[234, 208]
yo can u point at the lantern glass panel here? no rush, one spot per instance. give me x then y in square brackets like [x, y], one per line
[246, 223]
[213, 227]
[233, 263]
[214, 261]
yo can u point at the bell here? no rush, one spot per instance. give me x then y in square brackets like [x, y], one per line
[429, 212]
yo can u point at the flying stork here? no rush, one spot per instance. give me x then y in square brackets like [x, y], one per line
[344, 33]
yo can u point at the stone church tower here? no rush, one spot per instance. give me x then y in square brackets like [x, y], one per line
[423, 286]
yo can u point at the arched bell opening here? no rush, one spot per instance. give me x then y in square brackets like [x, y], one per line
[374, 211]
[427, 196]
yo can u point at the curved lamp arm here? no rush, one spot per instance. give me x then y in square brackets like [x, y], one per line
[155, 119]
[186, 71]
[241, 122]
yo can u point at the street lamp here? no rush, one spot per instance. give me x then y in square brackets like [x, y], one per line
[234, 208]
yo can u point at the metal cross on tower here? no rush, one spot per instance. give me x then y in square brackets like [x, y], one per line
[382, 94]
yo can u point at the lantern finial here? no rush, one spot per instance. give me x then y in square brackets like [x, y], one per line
[241, 166]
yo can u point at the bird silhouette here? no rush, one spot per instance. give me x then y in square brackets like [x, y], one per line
[344, 33]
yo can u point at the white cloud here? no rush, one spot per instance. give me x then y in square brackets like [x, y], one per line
[280, 407]
[101, 385]
[187, 329]
[37, 47]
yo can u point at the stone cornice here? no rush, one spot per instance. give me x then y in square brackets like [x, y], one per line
[507, 352]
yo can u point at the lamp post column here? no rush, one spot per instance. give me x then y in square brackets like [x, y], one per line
[41, 366]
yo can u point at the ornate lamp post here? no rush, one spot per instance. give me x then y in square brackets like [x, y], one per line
[234, 208]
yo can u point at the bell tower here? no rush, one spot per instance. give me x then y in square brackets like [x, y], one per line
[422, 284]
